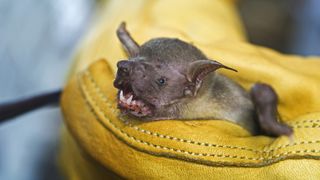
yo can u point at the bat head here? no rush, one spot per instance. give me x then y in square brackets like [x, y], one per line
[159, 75]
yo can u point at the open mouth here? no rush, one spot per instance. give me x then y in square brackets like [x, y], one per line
[129, 103]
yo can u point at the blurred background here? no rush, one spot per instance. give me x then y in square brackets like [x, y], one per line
[37, 41]
[288, 26]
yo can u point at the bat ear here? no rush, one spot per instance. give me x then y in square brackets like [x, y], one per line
[199, 69]
[131, 46]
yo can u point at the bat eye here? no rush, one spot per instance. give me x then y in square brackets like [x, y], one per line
[161, 81]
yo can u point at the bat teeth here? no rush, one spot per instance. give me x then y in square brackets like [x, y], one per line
[129, 99]
[136, 106]
[121, 96]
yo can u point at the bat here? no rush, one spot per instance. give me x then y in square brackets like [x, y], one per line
[167, 78]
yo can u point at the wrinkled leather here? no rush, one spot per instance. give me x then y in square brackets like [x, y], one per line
[98, 143]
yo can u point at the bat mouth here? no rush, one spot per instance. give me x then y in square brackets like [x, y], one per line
[129, 103]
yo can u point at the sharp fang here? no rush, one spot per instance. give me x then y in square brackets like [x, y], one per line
[121, 96]
[129, 99]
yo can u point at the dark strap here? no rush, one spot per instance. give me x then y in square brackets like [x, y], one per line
[13, 109]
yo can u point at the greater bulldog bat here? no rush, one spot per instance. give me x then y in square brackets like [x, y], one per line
[167, 78]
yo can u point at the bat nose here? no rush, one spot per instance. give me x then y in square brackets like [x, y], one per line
[123, 74]
[121, 82]
[117, 83]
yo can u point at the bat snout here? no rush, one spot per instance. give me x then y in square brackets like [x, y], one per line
[118, 83]
[123, 74]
